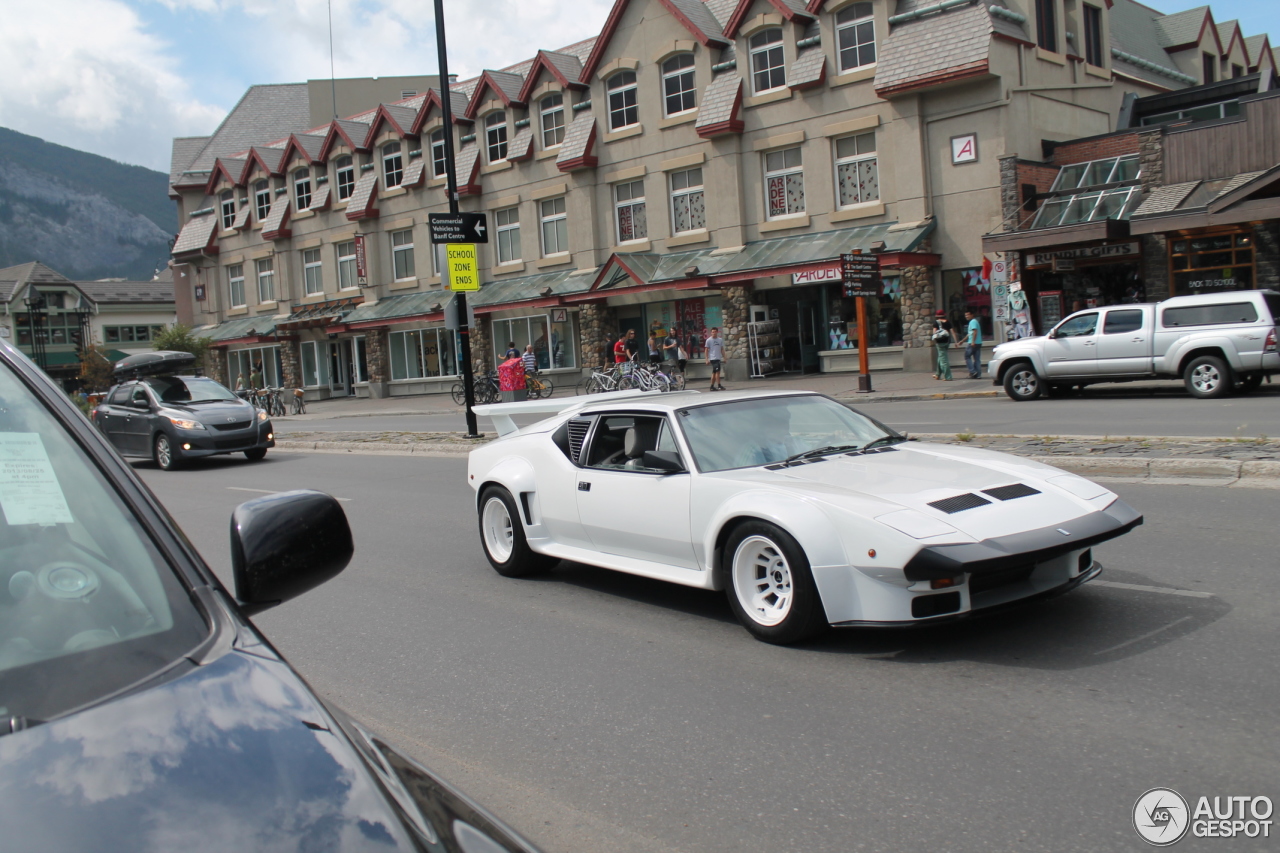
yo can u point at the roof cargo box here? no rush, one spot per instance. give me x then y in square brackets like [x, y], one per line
[153, 363]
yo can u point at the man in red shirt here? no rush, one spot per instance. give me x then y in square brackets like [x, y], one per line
[620, 349]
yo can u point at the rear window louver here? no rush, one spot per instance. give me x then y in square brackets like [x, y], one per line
[1008, 493]
[959, 503]
[578, 428]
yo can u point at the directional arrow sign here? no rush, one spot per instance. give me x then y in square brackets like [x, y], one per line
[458, 227]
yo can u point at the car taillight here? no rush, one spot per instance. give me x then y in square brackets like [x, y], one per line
[1271, 342]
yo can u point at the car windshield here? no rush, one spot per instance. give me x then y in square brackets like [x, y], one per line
[87, 604]
[189, 389]
[745, 433]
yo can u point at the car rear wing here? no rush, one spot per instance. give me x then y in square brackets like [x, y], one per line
[501, 413]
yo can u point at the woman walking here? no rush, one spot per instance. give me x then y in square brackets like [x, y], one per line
[942, 340]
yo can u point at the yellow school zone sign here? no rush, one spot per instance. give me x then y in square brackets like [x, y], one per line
[464, 266]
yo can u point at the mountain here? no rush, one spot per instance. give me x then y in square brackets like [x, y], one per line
[86, 216]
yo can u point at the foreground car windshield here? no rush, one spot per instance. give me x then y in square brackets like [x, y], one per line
[87, 604]
[745, 433]
[174, 389]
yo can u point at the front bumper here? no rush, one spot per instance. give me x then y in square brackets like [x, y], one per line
[986, 575]
[196, 443]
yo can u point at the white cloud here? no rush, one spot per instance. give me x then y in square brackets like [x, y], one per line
[85, 73]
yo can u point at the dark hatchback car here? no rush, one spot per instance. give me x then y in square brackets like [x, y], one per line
[156, 414]
[140, 709]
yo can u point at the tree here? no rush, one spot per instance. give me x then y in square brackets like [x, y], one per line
[95, 368]
[180, 339]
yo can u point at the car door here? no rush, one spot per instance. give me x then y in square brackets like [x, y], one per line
[1124, 347]
[135, 434]
[112, 415]
[1072, 349]
[626, 509]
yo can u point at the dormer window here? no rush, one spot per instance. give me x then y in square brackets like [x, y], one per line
[495, 136]
[262, 199]
[302, 188]
[768, 71]
[855, 36]
[346, 177]
[438, 164]
[392, 165]
[227, 208]
[678, 90]
[551, 110]
[623, 111]
[1047, 24]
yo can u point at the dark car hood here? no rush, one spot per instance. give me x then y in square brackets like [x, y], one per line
[215, 413]
[235, 755]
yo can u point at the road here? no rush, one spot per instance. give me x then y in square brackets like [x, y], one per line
[601, 712]
[1117, 415]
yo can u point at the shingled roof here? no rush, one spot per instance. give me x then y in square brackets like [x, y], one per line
[933, 49]
[197, 235]
[1181, 28]
[111, 291]
[577, 151]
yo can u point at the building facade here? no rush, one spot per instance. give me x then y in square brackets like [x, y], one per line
[695, 165]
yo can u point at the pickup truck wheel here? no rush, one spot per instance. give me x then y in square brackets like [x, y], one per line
[1022, 383]
[1207, 377]
[1248, 383]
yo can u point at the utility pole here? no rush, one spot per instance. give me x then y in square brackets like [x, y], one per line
[451, 186]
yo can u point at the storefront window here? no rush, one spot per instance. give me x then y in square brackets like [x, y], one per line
[315, 363]
[1212, 263]
[884, 316]
[241, 363]
[362, 362]
[421, 353]
[553, 349]
[689, 319]
[966, 290]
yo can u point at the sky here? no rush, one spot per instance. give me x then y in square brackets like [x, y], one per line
[122, 78]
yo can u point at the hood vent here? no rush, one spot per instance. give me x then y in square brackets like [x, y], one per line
[1008, 493]
[959, 503]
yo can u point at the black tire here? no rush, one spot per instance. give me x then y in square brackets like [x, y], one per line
[546, 390]
[257, 454]
[459, 394]
[1021, 382]
[164, 453]
[500, 522]
[586, 385]
[1248, 383]
[1207, 377]
[804, 617]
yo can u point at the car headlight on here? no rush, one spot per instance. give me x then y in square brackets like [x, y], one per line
[262, 415]
[183, 423]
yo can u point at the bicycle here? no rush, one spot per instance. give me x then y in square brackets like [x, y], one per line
[272, 402]
[299, 405]
[601, 380]
[646, 377]
[538, 387]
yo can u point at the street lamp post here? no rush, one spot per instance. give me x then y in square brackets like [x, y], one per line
[36, 302]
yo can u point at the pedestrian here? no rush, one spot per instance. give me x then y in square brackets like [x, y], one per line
[714, 357]
[240, 382]
[255, 377]
[620, 349]
[511, 352]
[632, 345]
[941, 341]
[973, 345]
[530, 359]
[673, 352]
[655, 350]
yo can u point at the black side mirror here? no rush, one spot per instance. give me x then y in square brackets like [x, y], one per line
[140, 403]
[663, 460]
[285, 544]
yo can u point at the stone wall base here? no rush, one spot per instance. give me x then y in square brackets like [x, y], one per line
[379, 390]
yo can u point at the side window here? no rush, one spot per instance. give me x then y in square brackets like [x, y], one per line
[120, 396]
[1210, 315]
[1079, 327]
[1119, 322]
[139, 394]
[620, 441]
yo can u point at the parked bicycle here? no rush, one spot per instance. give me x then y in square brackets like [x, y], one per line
[601, 380]
[538, 387]
[299, 404]
[646, 377]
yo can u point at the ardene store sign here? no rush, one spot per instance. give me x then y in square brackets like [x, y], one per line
[1084, 253]
[818, 276]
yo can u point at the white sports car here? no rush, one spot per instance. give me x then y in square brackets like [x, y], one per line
[807, 513]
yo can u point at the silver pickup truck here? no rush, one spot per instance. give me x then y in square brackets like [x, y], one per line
[1215, 343]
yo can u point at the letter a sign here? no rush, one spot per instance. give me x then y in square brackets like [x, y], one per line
[964, 148]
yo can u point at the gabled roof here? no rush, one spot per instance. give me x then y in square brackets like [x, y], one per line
[198, 235]
[309, 145]
[505, 85]
[682, 10]
[127, 292]
[1184, 29]
[1228, 34]
[1255, 47]
[270, 159]
[355, 134]
[935, 48]
[458, 101]
[791, 10]
[565, 68]
[399, 117]
[231, 168]
[33, 272]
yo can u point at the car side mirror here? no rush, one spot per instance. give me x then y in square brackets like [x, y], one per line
[663, 460]
[140, 403]
[285, 544]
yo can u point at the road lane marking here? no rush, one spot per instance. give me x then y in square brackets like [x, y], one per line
[272, 492]
[1189, 593]
[1145, 636]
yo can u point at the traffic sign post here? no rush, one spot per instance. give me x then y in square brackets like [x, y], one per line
[458, 227]
[862, 280]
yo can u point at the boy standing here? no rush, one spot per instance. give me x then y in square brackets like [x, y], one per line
[714, 357]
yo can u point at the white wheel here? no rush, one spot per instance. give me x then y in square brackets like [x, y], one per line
[762, 580]
[496, 527]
